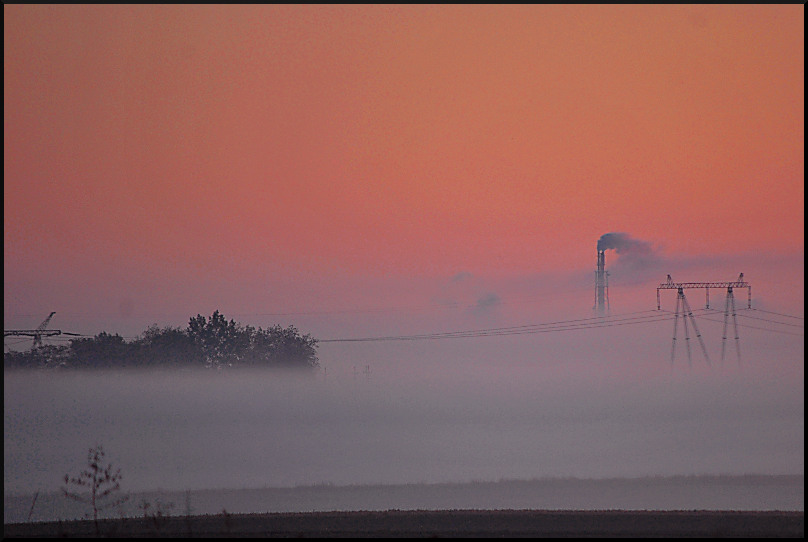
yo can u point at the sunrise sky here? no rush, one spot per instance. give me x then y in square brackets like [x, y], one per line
[312, 164]
[401, 171]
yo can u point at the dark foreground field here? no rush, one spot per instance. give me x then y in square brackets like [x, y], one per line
[438, 523]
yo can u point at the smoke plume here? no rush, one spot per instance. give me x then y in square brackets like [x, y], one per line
[636, 258]
[623, 243]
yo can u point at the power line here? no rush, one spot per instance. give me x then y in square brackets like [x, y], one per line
[747, 326]
[780, 314]
[742, 314]
[563, 325]
[770, 320]
[631, 318]
[18, 341]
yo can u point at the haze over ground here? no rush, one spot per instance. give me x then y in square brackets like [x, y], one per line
[389, 171]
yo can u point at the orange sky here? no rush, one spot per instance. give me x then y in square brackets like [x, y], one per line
[155, 149]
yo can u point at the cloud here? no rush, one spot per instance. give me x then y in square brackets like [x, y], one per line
[488, 301]
[467, 291]
[461, 276]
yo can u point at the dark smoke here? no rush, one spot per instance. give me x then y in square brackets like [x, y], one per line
[637, 259]
[624, 243]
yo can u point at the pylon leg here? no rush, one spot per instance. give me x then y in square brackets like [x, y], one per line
[726, 318]
[735, 324]
[675, 328]
[696, 329]
[687, 335]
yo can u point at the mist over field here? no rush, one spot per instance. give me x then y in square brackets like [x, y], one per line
[583, 402]
[434, 193]
[457, 415]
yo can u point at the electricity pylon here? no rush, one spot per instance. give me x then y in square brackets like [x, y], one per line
[681, 301]
[730, 303]
[37, 333]
[729, 308]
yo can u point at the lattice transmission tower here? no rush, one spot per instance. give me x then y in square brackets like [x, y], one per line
[683, 310]
[38, 333]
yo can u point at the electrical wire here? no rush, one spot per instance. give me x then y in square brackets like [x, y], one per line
[19, 341]
[747, 326]
[771, 321]
[563, 325]
[631, 318]
[780, 314]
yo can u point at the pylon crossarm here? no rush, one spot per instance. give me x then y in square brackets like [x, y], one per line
[31, 332]
[677, 285]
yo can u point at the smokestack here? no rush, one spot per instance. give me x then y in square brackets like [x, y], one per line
[601, 283]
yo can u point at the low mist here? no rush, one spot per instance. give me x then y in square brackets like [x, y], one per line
[419, 412]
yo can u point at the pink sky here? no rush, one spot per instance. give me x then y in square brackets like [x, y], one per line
[373, 170]
[164, 161]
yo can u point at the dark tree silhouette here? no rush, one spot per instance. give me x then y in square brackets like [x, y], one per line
[285, 347]
[212, 342]
[219, 342]
[97, 485]
[45, 357]
[164, 347]
[103, 350]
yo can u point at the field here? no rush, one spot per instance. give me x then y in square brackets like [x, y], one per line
[437, 523]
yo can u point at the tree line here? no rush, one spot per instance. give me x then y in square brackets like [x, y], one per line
[212, 342]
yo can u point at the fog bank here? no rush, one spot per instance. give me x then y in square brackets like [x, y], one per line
[370, 423]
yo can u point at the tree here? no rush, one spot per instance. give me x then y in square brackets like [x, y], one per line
[277, 346]
[212, 342]
[168, 346]
[101, 482]
[103, 350]
[220, 343]
[45, 357]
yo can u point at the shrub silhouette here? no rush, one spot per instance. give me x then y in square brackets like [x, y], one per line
[96, 485]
